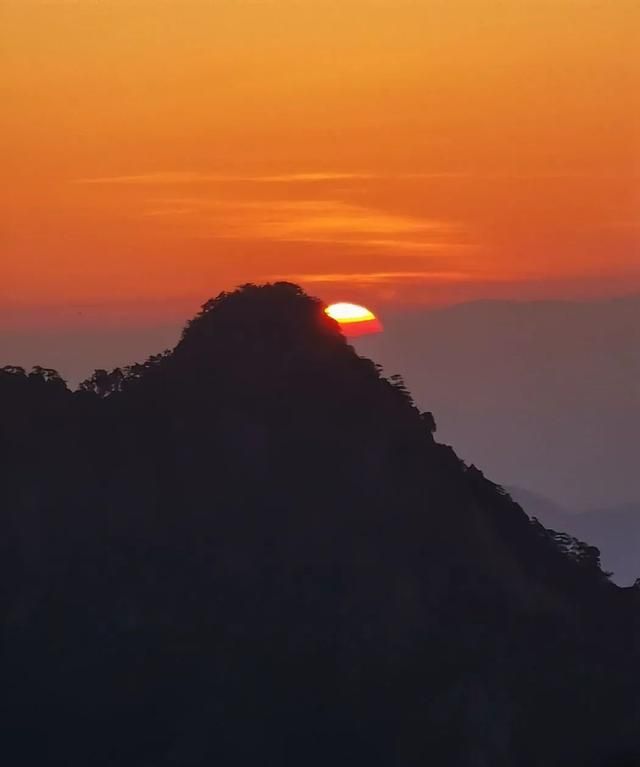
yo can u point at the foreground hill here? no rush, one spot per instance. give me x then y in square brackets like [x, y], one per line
[251, 550]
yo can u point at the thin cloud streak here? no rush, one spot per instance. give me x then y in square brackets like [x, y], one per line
[188, 177]
[378, 277]
[346, 219]
[330, 222]
[417, 248]
[171, 178]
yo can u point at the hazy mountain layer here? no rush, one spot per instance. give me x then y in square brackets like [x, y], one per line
[541, 394]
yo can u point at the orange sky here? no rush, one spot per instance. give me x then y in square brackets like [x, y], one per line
[387, 151]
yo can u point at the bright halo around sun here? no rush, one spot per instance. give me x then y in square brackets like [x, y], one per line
[355, 320]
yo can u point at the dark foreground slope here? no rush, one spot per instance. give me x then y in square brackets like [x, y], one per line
[614, 530]
[251, 551]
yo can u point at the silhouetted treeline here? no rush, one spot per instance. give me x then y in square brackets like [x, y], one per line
[250, 550]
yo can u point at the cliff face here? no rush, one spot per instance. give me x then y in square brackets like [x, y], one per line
[251, 550]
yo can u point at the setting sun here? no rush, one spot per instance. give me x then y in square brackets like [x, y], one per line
[354, 319]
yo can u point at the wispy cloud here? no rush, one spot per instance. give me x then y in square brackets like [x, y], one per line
[339, 218]
[377, 277]
[187, 177]
[330, 222]
[177, 178]
[317, 213]
[174, 178]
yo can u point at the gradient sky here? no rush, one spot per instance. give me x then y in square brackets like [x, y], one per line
[386, 151]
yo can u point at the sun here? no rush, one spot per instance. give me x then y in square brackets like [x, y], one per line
[355, 320]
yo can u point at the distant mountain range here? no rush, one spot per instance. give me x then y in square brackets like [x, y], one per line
[251, 550]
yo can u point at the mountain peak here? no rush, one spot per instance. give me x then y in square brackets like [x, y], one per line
[279, 312]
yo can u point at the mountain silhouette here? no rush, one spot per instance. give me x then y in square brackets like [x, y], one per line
[614, 530]
[252, 550]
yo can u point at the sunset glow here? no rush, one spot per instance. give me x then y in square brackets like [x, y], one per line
[405, 153]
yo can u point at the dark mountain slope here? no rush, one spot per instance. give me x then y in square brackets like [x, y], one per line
[615, 531]
[251, 550]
